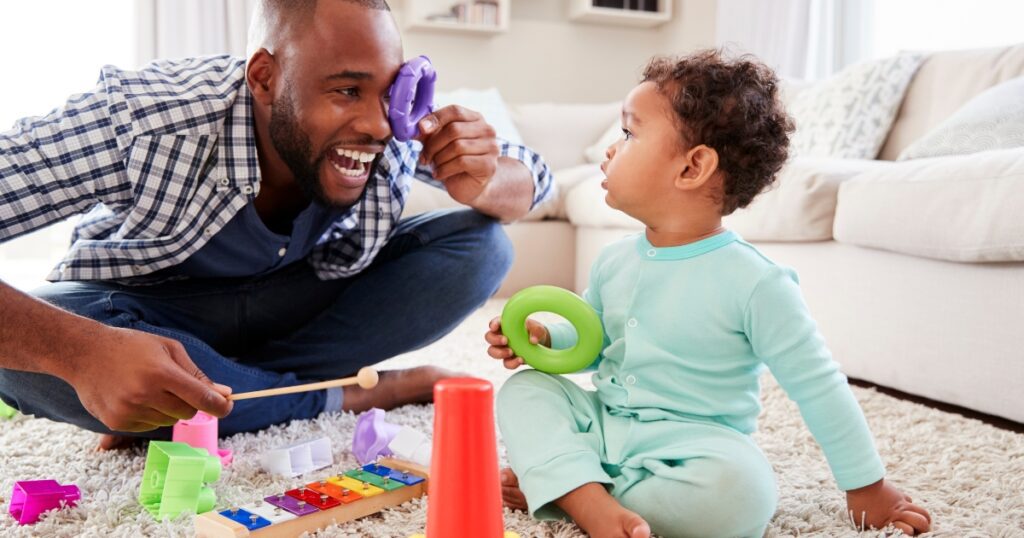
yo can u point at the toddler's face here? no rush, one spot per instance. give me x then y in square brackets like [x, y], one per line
[640, 168]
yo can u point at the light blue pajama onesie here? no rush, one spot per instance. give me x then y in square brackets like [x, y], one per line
[688, 331]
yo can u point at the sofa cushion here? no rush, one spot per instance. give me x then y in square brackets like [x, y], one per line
[945, 81]
[560, 132]
[994, 119]
[849, 114]
[799, 207]
[489, 104]
[964, 208]
[801, 203]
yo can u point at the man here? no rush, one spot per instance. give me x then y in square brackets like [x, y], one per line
[242, 231]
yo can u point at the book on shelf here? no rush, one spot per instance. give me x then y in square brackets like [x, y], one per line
[481, 12]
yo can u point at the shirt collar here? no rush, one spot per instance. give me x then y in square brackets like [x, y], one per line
[689, 250]
[241, 160]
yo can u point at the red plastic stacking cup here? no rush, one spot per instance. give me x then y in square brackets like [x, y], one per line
[465, 493]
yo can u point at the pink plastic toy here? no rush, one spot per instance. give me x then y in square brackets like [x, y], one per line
[372, 436]
[33, 497]
[201, 432]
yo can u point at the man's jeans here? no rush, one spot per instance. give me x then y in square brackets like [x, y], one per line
[289, 327]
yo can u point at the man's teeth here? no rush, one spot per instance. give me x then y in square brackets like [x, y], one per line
[356, 155]
[348, 171]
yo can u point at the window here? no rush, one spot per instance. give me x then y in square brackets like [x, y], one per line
[902, 25]
[53, 49]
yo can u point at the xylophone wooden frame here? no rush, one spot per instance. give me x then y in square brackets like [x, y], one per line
[214, 525]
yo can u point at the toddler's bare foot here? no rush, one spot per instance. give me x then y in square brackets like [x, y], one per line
[116, 442]
[397, 388]
[600, 515]
[511, 495]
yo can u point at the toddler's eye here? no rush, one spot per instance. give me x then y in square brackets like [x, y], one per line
[626, 134]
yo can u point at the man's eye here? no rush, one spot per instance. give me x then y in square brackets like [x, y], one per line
[348, 92]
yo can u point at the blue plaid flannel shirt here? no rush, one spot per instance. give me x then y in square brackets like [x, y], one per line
[159, 160]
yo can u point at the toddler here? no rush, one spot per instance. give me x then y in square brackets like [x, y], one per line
[692, 314]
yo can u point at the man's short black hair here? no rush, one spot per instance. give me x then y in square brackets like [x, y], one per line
[275, 14]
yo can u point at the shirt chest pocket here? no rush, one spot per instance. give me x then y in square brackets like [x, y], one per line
[176, 189]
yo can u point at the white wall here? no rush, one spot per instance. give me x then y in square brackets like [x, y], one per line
[545, 56]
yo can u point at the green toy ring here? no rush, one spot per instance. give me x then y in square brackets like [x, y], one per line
[557, 301]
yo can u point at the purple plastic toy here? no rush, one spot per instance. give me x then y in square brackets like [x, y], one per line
[412, 97]
[372, 436]
[33, 497]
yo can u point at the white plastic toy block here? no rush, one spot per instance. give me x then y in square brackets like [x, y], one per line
[300, 458]
[411, 445]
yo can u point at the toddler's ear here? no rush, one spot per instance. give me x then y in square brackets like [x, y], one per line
[699, 165]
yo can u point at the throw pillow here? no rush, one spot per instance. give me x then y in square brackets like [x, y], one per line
[993, 119]
[488, 103]
[849, 114]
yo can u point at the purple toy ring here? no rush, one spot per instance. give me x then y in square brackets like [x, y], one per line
[412, 97]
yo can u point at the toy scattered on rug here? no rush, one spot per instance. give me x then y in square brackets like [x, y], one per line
[299, 458]
[314, 505]
[557, 301]
[201, 432]
[30, 498]
[174, 480]
[377, 438]
[7, 411]
[465, 445]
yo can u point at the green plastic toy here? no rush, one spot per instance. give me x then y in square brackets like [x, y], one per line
[174, 477]
[566, 304]
[7, 411]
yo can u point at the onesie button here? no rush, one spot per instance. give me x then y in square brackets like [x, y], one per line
[631, 379]
[652, 253]
[632, 322]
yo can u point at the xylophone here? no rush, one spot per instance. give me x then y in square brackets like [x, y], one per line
[315, 505]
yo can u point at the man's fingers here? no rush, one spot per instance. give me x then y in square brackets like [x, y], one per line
[172, 406]
[195, 389]
[466, 146]
[479, 167]
[440, 139]
[441, 117]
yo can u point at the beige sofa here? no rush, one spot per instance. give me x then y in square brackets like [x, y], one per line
[913, 269]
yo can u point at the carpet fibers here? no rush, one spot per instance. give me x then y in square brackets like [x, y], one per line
[968, 474]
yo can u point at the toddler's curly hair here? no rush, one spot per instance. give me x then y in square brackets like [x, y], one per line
[731, 105]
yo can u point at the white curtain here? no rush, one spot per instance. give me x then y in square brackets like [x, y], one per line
[184, 28]
[804, 39]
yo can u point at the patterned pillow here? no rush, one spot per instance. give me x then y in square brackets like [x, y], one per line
[849, 114]
[993, 119]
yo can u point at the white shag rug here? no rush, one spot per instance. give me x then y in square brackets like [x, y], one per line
[968, 474]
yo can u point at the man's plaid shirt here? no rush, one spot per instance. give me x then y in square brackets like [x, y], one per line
[160, 159]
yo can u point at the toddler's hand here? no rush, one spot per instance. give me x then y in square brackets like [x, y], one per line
[499, 342]
[880, 504]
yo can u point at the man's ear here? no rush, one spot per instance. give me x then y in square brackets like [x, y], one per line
[700, 165]
[260, 76]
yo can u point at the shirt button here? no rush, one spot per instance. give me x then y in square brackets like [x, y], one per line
[282, 251]
[631, 379]
[632, 322]
[208, 232]
[652, 253]
[224, 181]
[247, 189]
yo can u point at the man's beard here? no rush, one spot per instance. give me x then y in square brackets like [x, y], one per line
[293, 145]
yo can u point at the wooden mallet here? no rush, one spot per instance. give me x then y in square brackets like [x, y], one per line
[365, 378]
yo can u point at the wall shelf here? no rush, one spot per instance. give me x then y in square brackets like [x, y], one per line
[484, 17]
[587, 11]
